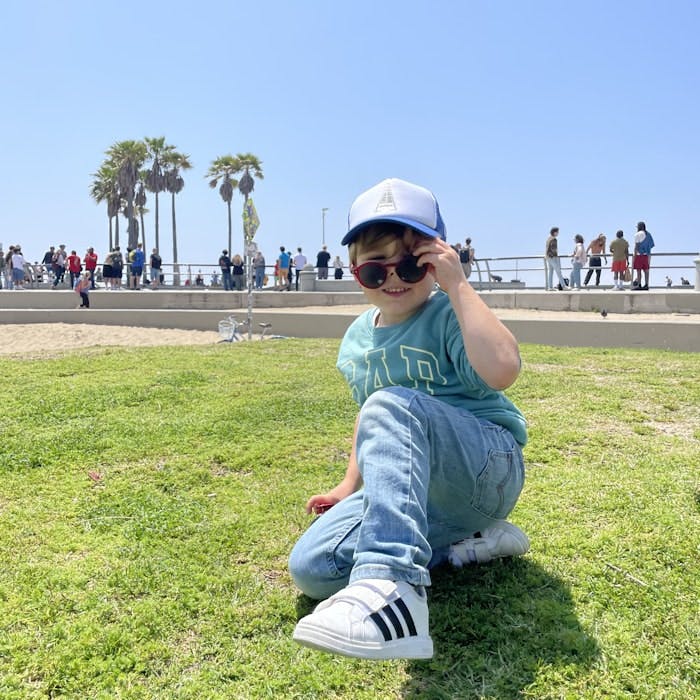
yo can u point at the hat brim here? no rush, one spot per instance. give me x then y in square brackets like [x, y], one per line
[353, 233]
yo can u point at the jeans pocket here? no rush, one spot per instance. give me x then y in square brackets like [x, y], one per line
[498, 485]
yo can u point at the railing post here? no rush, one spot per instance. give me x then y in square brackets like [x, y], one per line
[697, 274]
[307, 278]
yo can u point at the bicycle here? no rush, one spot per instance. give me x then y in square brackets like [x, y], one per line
[230, 330]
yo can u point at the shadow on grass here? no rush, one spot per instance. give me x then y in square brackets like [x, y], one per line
[495, 628]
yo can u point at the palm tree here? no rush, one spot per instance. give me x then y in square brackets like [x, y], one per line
[248, 162]
[104, 189]
[128, 157]
[155, 179]
[223, 168]
[175, 162]
[140, 205]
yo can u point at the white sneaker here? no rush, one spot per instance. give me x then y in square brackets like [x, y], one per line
[502, 539]
[370, 619]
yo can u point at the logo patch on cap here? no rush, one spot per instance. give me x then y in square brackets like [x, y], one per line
[386, 203]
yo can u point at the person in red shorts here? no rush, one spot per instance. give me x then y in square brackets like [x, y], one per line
[643, 243]
[620, 253]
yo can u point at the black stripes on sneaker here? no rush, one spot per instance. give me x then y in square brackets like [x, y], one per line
[390, 614]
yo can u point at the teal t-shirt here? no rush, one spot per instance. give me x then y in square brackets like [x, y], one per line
[425, 352]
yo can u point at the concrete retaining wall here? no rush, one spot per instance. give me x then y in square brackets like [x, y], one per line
[676, 324]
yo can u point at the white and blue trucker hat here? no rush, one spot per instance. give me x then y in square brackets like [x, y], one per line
[396, 201]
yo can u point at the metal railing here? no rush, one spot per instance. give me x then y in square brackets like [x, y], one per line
[518, 272]
[510, 272]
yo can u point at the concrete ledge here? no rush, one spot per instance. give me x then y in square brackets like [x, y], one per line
[204, 299]
[626, 302]
[656, 301]
[682, 337]
[670, 333]
[667, 319]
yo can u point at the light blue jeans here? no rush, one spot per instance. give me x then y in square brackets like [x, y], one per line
[553, 265]
[433, 474]
[575, 280]
[259, 276]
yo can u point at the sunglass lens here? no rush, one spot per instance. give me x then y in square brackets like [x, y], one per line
[372, 275]
[408, 270]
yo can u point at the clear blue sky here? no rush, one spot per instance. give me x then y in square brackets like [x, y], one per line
[518, 115]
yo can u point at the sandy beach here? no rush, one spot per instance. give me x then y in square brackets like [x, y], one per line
[50, 339]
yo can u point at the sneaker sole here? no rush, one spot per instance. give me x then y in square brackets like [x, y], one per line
[323, 640]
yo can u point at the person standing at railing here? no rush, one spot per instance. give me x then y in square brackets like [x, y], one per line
[137, 259]
[620, 250]
[225, 265]
[156, 267]
[238, 272]
[90, 261]
[259, 268]
[466, 257]
[322, 260]
[578, 260]
[595, 249]
[552, 262]
[58, 265]
[284, 261]
[17, 261]
[641, 261]
[6, 266]
[299, 264]
[46, 262]
[75, 267]
[117, 267]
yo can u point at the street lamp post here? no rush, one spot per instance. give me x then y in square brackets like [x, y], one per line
[323, 225]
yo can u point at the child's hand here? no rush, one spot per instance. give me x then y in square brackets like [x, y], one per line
[320, 503]
[442, 260]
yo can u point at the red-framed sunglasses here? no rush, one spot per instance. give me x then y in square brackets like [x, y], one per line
[372, 274]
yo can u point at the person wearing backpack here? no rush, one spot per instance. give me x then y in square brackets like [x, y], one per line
[466, 257]
[225, 265]
[641, 259]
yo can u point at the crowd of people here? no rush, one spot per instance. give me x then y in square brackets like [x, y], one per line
[630, 264]
[58, 267]
[286, 270]
[637, 276]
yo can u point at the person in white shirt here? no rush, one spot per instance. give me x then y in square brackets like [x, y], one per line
[578, 260]
[18, 268]
[299, 262]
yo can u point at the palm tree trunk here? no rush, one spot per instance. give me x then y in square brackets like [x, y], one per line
[133, 235]
[110, 233]
[116, 230]
[143, 242]
[176, 267]
[157, 234]
[230, 251]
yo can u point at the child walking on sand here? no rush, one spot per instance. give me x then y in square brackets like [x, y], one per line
[436, 463]
[82, 287]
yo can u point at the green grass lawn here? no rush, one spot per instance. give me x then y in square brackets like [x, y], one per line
[149, 499]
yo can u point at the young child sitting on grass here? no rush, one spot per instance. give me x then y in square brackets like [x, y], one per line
[436, 463]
